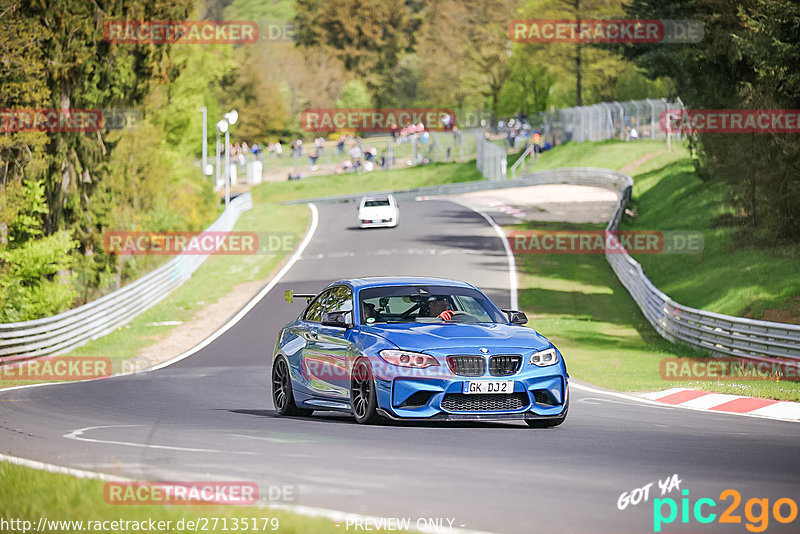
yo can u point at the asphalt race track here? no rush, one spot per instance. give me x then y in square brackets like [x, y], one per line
[210, 417]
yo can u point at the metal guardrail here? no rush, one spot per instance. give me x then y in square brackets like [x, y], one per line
[717, 333]
[522, 159]
[723, 335]
[65, 331]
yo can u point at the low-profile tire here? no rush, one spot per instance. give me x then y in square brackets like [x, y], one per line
[363, 397]
[549, 423]
[282, 396]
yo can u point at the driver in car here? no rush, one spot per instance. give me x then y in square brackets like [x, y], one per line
[440, 307]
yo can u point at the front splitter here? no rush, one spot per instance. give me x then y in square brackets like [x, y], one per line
[471, 417]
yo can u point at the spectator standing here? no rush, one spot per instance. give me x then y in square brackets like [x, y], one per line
[312, 159]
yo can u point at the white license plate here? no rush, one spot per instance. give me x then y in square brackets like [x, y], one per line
[489, 386]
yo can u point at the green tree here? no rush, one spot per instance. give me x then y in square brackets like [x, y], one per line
[84, 71]
[34, 277]
[354, 95]
[34, 269]
[528, 87]
[61, 191]
[22, 85]
[583, 73]
[747, 59]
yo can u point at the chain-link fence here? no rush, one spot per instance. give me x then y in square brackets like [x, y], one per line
[626, 121]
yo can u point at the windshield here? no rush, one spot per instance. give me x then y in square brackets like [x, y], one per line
[428, 304]
[376, 203]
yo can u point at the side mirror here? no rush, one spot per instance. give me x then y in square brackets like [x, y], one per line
[516, 317]
[337, 319]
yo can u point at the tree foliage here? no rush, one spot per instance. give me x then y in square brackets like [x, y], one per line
[354, 95]
[465, 50]
[747, 60]
[368, 36]
[62, 190]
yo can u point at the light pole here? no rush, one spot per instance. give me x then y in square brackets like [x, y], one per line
[230, 118]
[222, 126]
[205, 140]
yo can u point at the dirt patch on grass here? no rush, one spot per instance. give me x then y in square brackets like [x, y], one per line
[790, 314]
[633, 165]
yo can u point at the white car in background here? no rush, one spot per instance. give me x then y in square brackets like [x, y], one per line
[378, 211]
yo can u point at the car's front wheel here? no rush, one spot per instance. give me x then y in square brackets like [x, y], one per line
[363, 397]
[282, 395]
[549, 422]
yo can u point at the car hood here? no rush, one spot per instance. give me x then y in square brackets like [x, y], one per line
[420, 337]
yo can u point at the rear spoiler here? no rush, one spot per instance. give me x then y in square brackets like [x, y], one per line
[289, 295]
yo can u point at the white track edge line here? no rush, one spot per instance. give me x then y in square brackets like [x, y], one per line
[307, 511]
[512, 264]
[221, 330]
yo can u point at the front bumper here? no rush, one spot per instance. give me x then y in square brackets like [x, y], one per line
[538, 394]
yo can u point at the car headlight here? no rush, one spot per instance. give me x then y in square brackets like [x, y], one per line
[543, 358]
[405, 358]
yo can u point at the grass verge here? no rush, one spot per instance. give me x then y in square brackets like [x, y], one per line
[606, 154]
[578, 302]
[30, 494]
[730, 277]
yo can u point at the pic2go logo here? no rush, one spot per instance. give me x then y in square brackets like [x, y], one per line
[756, 511]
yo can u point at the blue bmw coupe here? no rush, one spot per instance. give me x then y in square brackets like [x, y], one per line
[403, 348]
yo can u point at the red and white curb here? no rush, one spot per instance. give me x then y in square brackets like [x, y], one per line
[719, 402]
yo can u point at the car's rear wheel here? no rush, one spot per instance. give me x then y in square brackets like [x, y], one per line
[549, 423]
[363, 397]
[282, 395]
